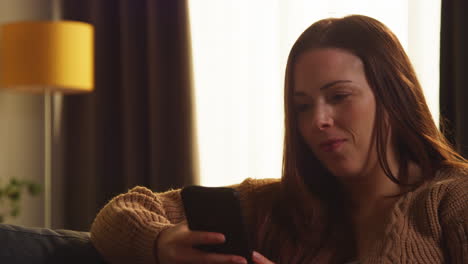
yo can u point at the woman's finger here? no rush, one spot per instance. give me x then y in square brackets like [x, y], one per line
[191, 238]
[204, 238]
[214, 258]
[260, 259]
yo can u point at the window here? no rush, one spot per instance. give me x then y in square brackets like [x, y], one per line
[240, 50]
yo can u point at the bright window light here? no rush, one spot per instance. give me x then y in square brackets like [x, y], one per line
[240, 50]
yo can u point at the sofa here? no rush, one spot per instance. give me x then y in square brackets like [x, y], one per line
[21, 245]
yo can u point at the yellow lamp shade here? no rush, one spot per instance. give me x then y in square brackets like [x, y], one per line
[37, 56]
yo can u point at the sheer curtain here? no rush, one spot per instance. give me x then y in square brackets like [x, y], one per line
[240, 50]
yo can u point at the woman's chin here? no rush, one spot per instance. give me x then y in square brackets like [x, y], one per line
[345, 174]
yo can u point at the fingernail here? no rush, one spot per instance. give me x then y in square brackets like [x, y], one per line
[222, 238]
[255, 255]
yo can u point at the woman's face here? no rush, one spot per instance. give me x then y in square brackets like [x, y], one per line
[335, 109]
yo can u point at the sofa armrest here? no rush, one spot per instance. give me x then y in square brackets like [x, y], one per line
[45, 246]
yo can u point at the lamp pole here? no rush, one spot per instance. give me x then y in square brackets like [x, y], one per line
[48, 130]
[49, 135]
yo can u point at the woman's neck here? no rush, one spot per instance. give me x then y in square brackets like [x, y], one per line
[376, 191]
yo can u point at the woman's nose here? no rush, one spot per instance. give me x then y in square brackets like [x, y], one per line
[323, 118]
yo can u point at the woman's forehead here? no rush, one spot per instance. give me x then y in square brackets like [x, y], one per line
[318, 66]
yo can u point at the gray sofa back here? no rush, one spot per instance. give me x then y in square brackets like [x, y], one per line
[21, 245]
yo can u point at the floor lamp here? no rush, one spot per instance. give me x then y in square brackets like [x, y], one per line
[47, 57]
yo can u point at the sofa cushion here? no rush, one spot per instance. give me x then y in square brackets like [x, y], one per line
[20, 245]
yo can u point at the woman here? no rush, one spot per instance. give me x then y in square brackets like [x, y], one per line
[367, 176]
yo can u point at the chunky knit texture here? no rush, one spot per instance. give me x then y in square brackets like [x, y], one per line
[427, 225]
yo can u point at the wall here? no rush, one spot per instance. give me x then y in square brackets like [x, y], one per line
[21, 122]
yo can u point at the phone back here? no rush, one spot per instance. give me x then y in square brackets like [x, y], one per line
[217, 209]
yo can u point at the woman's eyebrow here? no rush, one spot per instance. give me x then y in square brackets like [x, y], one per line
[330, 84]
[324, 87]
[299, 94]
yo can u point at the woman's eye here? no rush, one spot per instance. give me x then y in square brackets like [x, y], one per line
[301, 107]
[339, 97]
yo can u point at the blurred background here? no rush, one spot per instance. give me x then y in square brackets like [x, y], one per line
[191, 92]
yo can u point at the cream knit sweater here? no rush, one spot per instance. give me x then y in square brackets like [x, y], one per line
[428, 225]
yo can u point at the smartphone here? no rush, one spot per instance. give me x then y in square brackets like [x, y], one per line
[217, 209]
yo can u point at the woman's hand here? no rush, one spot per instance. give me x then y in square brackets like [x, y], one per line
[175, 246]
[260, 259]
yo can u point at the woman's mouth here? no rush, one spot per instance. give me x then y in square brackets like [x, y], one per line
[331, 145]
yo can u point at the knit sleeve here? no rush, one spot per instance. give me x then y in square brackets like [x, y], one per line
[126, 229]
[453, 217]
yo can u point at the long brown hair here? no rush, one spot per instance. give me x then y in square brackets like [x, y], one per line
[285, 229]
